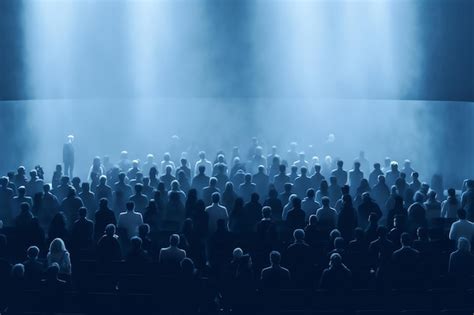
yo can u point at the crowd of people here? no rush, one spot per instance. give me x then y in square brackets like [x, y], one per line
[247, 222]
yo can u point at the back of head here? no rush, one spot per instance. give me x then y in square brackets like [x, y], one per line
[464, 245]
[298, 235]
[174, 240]
[212, 181]
[452, 192]
[254, 197]
[382, 231]
[340, 163]
[287, 187]
[32, 252]
[310, 193]
[275, 258]
[296, 202]
[216, 197]
[313, 219]
[82, 212]
[335, 260]
[130, 205]
[237, 253]
[110, 230]
[303, 170]
[462, 214]
[266, 212]
[405, 239]
[136, 243]
[325, 201]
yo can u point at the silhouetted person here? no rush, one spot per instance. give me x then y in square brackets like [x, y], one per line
[220, 246]
[136, 257]
[108, 247]
[296, 216]
[415, 184]
[340, 173]
[261, 180]
[299, 258]
[139, 199]
[68, 156]
[392, 175]
[274, 203]
[334, 190]
[70, 206]
[266, 230]
[275, 277]
[467, 200]
[209, 190]
[57, 228]
[215, 213]
[130, 220]
[57, 175]
[450, 206]
[396, 210]
[317, 177]
[82, 232]
[52, 290]
[347, 218]
[355, 176]
[171, 256]
[302, 183]
[367, 207]
[381, 193]
[345, 191]
[35, 185]
[336, 278]
[167, 178]
[462, 227]
[309, 205]
[281, 179]
[201, 180]
[123, 187]
[374, 175]
[58, 254]
[327, 216]
[461, 262]
[287, 192]
[19, 200]
[406, 263]
[417, 213]
[34, 269]
[205, 163]
[293, 173]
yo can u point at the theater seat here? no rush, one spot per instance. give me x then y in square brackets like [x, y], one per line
[457, 312]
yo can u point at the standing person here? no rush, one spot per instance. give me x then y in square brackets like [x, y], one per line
[68, 156]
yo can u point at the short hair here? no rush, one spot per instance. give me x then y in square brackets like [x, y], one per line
[18, 270]
[382, 231]
[174, 239]
[216, 197]
[144, 229]
[288, 186]
[335, 259]
[110, 229]
[310, 193]
[82, 212]
[339, 242]
[136, 242]
[313, 219]
[451, 192]
[212, 181]
[237, 252]
[130, 205]
[296, 202]
[201, 169]
[275, 257]
[325, 201]
[464, 244]
[266, 212]
[405, 239]
[24, 206]
[303, 170]
[32, 252]
[298, 234]
[340, 163]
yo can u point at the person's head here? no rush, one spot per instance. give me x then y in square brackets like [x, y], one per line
[298, 235]
[303, 171]
[18, 271]
[310, 193]
[33, 174]
[313, 219]
[166, 156]
[4, 181]
[296, 202]
[294, 169]
[394, 166]
[57, 246]
[359, 234]
[21, 171]
[143, 230]
[175, 185]
[150, 158]
[470, 184]
[414, 176]
[432, 195]
[216, 197]
[282, 168]
[138, 188]
[184, 162]
[21, 191]
[422, 233]
[110, 230]
[275, 258]
[153, 172]
[236, 160]
[381, 179]
[248, 178]
[376, 166]
[405, 239]
[237, 253]
[187, 266]
[258, 151]
[366, 197]
[212, 182]
[394, 190]
[325, 201]
[452, 192]
[275, 161]
[340, 164]
[335, 260]
[317, 168]
[356, 165]
[462, 214]
[103, 179]
[323, 186]
[333, 180]
[201, 169]
[168, 170]
[419, 197]
[96, 161]
[339, 243]
[202, 155]
[122, 177]
[136, 243]
[130, 205]
[261, 169]
[220, 158]
[464, 245]
[273, 193]
[59, 168]
[254, 197]
[25, 207]
[82, 212]
[266, 212]
[288, 187]
[32, 252]
[345, 189]
[71, 192]
[347, 200]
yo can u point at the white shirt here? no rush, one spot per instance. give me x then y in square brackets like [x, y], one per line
[130, 221]
[309, 206]
[461, 228]
[216, 212]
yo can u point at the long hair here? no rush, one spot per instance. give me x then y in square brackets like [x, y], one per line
[57, 246]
